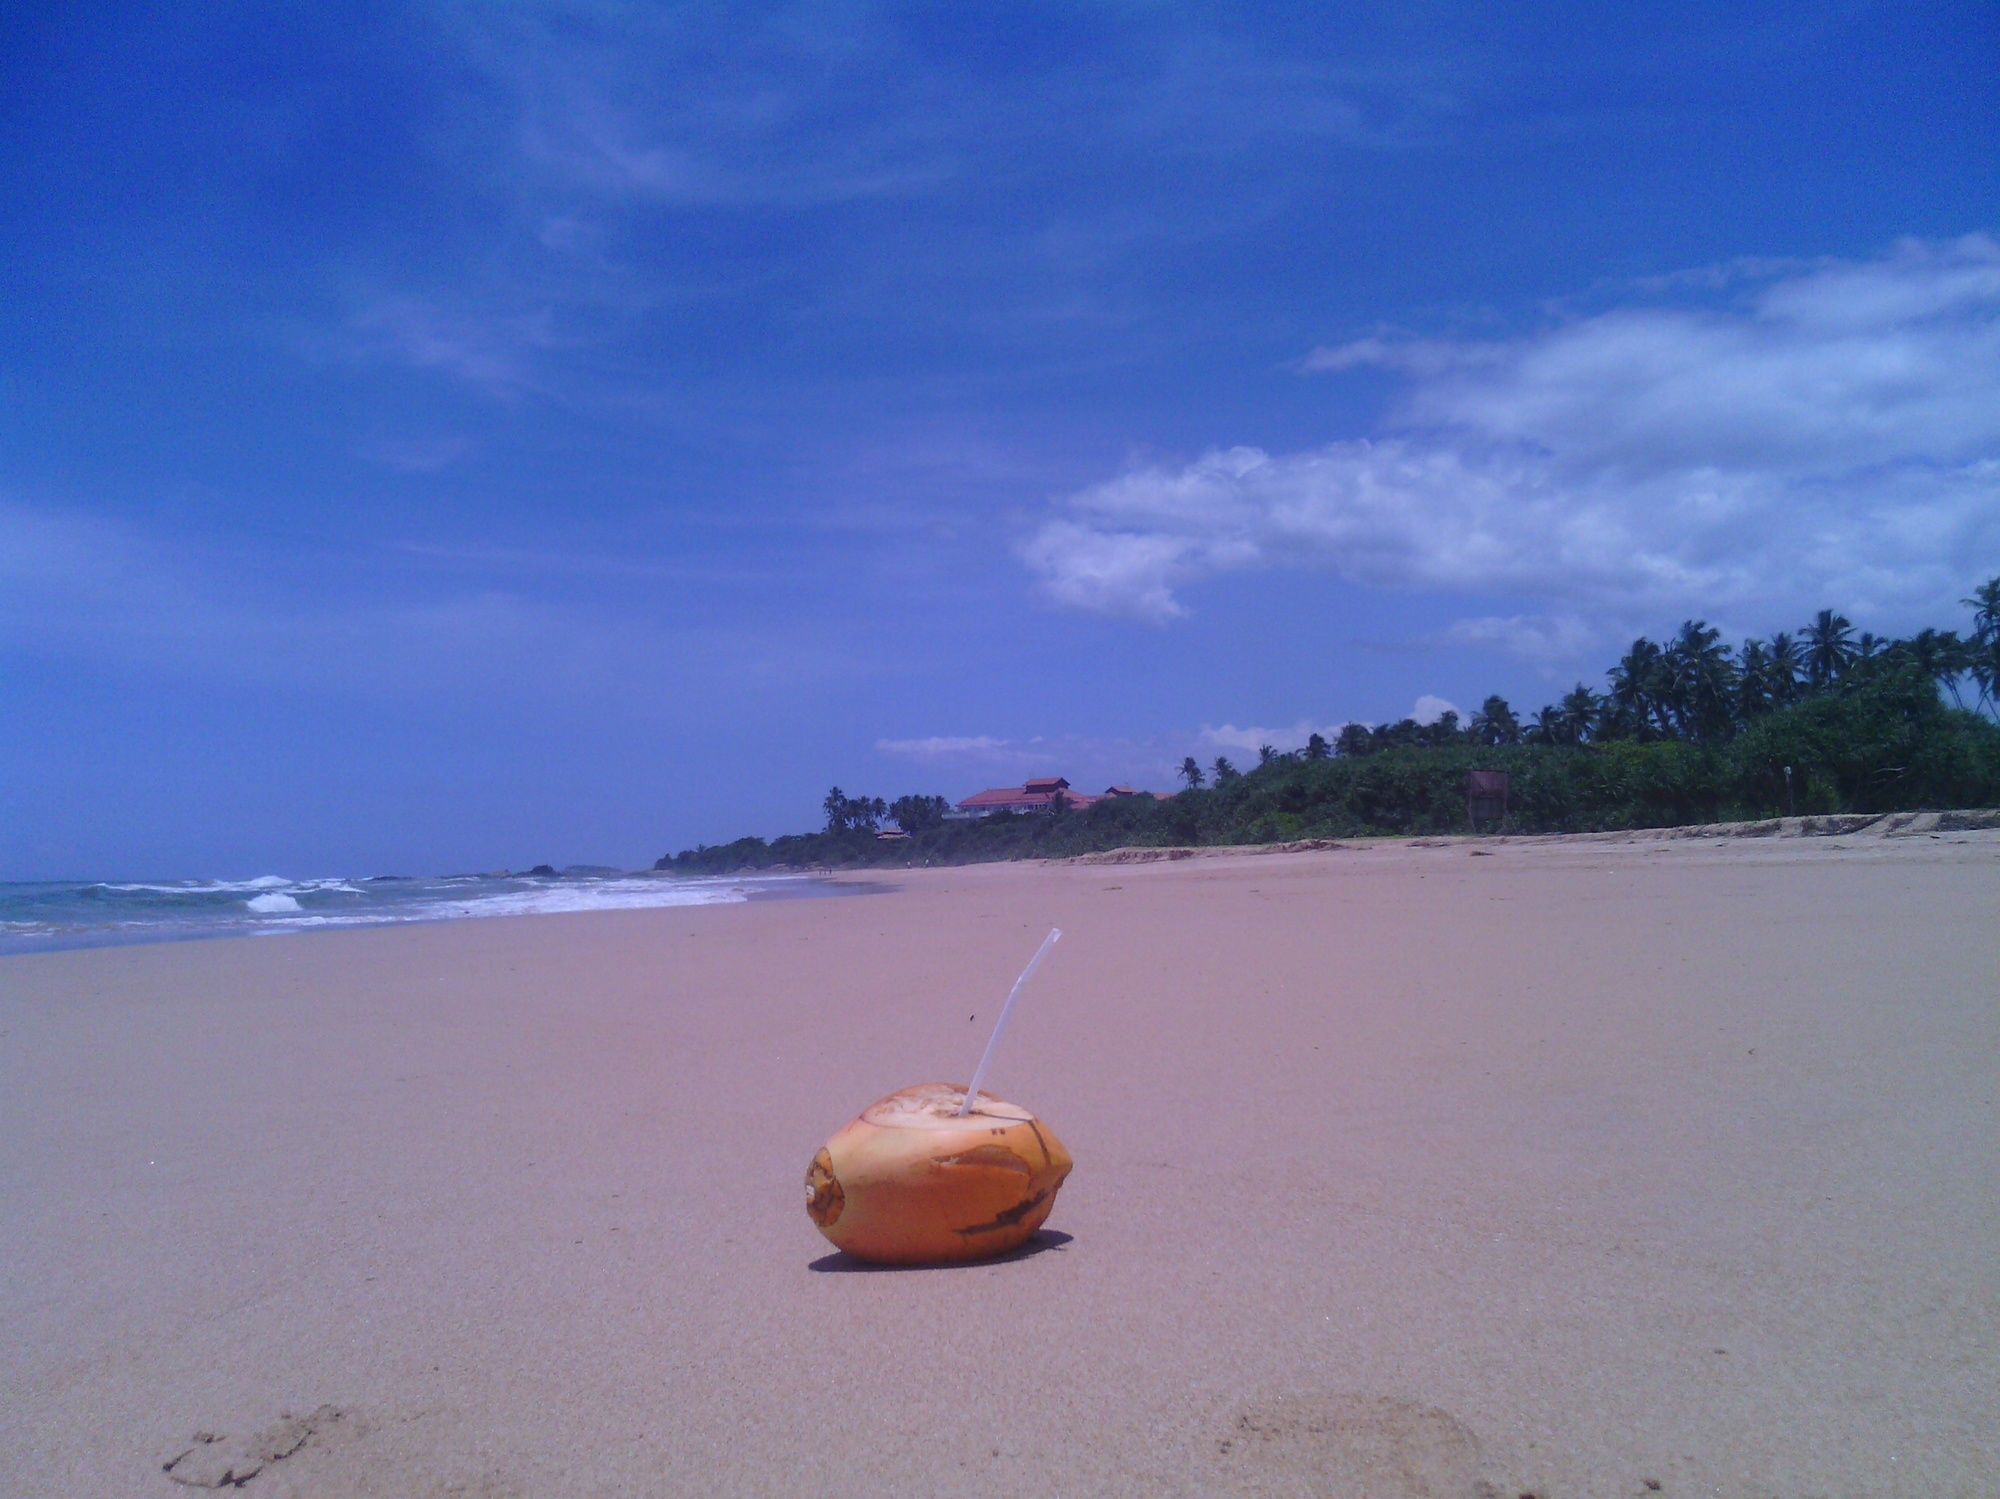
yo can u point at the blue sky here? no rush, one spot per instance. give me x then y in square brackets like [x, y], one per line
[458, 436]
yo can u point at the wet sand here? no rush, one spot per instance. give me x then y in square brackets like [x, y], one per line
[1573, 1169]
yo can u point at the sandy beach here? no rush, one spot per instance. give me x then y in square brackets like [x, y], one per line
[1568, 1169]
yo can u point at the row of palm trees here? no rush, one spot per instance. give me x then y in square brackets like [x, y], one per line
[1694, 688]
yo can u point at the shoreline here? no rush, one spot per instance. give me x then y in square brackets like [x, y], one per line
[1813, 825]
[1860, 826]
[824, 881]
[1399, 1172]
[230, 916]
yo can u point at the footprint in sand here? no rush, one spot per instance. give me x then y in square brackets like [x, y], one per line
[1345, 1445]
[215, 1461]
[342, 1453]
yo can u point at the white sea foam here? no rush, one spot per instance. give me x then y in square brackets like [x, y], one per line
[92, 914]
[600, 895]
[200, 887]
[634, 894]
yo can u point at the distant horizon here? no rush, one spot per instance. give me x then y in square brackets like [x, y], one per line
[447, 434]
[1426, 710]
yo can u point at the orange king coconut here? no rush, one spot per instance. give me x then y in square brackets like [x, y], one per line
[938, 1173]
[913, 1181]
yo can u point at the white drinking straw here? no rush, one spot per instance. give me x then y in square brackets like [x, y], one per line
[993, 1043]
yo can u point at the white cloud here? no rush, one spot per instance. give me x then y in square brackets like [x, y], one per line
[668, 108]
[1417, 356]
[1543, 639]
[1249, 739]
[674, 105]
[1831, 437]
[494, 352]
[1118, 572]
[939, 746]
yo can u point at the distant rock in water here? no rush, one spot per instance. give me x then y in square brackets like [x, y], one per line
[542, 871]
[387, 879]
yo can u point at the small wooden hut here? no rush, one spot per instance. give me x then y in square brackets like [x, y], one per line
[1485, 798]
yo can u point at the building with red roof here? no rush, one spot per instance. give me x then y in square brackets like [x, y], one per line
[1036, 794]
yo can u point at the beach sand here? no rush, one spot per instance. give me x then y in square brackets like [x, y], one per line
[1566, 1169]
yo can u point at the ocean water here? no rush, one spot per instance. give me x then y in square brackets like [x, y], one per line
[41, 916]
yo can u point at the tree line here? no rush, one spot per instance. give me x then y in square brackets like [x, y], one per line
[863, 814]
[1694, 688]
[1822, 719]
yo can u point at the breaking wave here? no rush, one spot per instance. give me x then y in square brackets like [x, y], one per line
[37, 917]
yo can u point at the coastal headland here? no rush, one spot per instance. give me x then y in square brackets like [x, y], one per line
[1565, 1167]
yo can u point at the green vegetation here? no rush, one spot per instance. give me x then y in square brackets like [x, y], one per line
[1687, 732]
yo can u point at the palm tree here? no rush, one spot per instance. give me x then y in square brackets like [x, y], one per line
[1317, 748]
[1637, 688]
[1871, 653]
[1829, 642]
[1985, 607]
[1941, 656]
[1788, 665]
[1355, 741]
[1755, 693]
[1983, 650]
[1266, 753]
[1579, 712]
[1701, 676]
[1982, 664]
[1985, 673]
[1224, 771]
[1191, 773]
[1495, 723]
[846, 813]
[1549, 727]
[916, 813]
